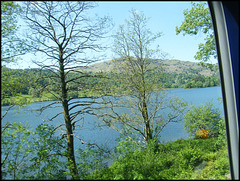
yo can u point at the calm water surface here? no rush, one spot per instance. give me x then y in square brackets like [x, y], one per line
[91, 133]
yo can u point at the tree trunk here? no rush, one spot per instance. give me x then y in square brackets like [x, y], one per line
[144, 106]
[70, 144]
[146, 121]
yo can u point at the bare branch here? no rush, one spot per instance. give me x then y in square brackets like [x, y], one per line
[62, 31]
[91, 144]
[10, 107]
[168, 121]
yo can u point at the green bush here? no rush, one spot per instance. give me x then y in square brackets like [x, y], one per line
[222, 139]
[41, 157]
[31, 154]
[204, 117]
[217, 167]
[181, 159]
[91, 159]
[188, 158]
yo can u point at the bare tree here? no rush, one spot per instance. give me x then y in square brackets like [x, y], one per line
[147, 108]
[64, 34]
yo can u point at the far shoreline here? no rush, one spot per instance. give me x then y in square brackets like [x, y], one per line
[28, 99]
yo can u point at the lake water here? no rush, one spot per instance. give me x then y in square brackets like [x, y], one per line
[91, 133]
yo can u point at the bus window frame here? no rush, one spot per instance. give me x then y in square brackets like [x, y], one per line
[227, 84]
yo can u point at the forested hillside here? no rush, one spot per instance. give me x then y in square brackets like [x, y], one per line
[170, 74]
[175, 73]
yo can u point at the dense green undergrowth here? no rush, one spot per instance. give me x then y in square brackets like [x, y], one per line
[181, 159]
[38, 155]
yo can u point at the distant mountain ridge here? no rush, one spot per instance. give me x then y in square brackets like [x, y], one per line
[169, 66]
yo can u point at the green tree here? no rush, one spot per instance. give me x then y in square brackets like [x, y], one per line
[137, 73]
[48, 159]
[204, 117]
[34, 92]
[198, 20]
[63, 32]
[11, 45]
[199, 84]
[30, 154]
[14, 149]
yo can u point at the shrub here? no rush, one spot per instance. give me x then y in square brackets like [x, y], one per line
[189, 157]
[201, 133]
[30, 154]
[222, 139]
[204, 117]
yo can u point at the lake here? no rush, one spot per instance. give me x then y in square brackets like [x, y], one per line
[91, 133]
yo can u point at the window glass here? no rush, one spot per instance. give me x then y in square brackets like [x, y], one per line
[113, 90]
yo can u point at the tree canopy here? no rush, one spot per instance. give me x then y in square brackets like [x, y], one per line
[198, 20]
[11, 44]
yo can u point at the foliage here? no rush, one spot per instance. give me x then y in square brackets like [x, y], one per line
[91, 159]
[34, 92]
[222, 140]
[31, 154]
[38, 155]
[217, 167]
[204, 117]
[15, 154]
[11, 44]
[202, 133]
[11, 48]
[9, 12]
[196, 20]
[181, 159]
[17, 82]
[48, 160]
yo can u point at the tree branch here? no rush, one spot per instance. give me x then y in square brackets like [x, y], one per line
[91, 144]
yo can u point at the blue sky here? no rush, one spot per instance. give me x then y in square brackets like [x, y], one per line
[164, 17]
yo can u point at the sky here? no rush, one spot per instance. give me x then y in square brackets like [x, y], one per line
[164, 17]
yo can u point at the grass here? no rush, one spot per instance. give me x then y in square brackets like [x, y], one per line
[22, 99]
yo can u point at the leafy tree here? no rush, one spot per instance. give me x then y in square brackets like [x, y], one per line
[34, 92]
[11, 45]
[199, 78]
[63, 32]
[196, 20]
[11, 48]
[14, 149]
[48, 159]
[30, 154]
[199, 84]
[204, 117]
[139, 76]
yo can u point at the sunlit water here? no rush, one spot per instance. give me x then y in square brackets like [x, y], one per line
[91, 133]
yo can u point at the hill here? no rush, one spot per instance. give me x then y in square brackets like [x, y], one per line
[177, 74]
[169, 66]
